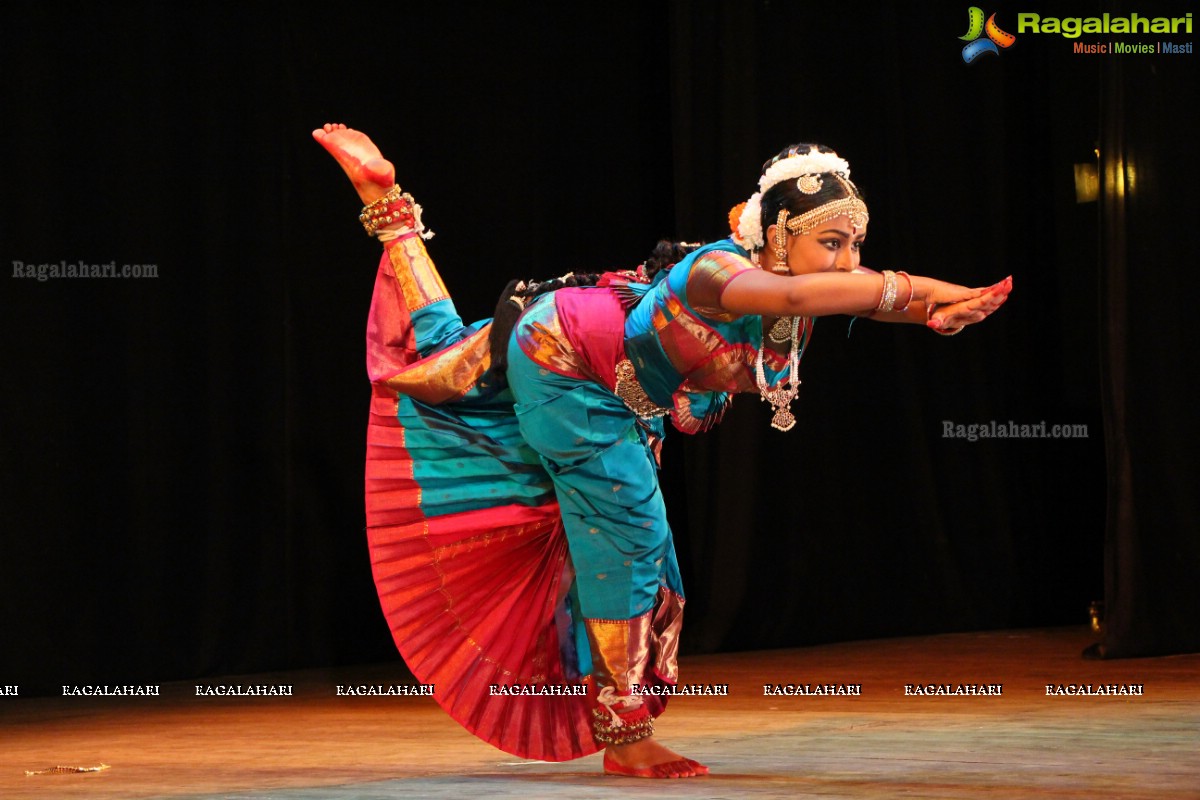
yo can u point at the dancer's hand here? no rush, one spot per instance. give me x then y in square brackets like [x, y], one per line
[931, 291]
[953, 316]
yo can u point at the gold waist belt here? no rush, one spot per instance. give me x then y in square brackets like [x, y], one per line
[632, 393]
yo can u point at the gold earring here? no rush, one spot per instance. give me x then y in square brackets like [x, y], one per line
[781, 233]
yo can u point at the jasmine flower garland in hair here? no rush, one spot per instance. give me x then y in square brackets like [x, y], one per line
[749, 233]
[749, 230]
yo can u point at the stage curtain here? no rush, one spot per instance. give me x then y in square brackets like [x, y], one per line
[1149, 254]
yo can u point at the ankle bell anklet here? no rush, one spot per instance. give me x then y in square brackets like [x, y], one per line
[394, 207]
[627, 727]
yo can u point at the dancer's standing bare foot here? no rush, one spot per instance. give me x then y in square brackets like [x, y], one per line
[649, 759]
[371, 174]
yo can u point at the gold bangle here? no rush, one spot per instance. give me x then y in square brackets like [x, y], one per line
[887, 298]
[911, 291]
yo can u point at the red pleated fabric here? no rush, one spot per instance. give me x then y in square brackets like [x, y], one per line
[471, 599]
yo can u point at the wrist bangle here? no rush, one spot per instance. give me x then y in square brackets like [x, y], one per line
[911, 290]
[887, 299]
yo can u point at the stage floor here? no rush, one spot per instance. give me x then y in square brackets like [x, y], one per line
[1022, 743]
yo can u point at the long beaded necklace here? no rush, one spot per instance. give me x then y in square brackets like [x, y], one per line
[781, 397]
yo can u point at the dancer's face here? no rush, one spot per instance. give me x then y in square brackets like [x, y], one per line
[834, 246]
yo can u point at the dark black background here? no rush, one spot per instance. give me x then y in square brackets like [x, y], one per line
[182, 456]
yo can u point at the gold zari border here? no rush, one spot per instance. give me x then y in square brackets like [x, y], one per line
[414, 270]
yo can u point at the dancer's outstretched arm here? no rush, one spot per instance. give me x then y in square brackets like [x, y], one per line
[823, 293]
[946, 318]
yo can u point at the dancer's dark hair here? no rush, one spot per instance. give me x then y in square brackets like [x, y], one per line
[518, 294]
[786, 194]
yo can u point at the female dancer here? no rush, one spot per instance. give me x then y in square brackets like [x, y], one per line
[518, 535]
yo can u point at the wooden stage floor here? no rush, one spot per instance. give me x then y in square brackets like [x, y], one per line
[881, 744]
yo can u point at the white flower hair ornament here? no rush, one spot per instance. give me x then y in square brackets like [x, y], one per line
[805, 169]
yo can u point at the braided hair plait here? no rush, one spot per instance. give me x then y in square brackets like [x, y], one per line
[666, 254]
[516, 295]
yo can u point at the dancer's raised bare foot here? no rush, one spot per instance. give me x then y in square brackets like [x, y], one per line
[371, 174]
[649, 759]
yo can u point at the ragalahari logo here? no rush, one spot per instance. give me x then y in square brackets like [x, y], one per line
[976, 27]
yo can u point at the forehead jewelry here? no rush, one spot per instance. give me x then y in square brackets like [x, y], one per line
[809, 171]
[852, 206]
[809, 184]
